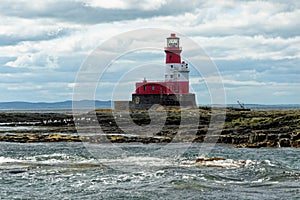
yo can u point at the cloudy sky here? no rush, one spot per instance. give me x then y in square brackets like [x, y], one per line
[254, 44]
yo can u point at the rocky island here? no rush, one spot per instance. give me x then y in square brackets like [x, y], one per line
[241, 128]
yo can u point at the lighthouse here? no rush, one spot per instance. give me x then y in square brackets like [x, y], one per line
[176, 72]
[174, 89]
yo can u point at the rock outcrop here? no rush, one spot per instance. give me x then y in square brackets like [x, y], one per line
[242, 128]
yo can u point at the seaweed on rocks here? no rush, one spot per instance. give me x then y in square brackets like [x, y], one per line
[242, 128]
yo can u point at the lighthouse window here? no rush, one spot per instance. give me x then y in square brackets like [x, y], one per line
[153, 87]
[171, 66]
[166, 76]
[178, 75]
[171, 76]
[145, 87]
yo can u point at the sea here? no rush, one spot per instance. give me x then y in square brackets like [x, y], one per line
[147, 171]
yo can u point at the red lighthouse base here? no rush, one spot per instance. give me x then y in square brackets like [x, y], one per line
[146, 101]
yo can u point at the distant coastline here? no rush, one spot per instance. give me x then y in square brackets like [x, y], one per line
[22, 105]
[66, 106]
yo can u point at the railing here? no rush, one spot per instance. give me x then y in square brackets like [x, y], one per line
[173, 48]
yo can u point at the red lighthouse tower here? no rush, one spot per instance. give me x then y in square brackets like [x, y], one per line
[176, 72]
[174, 90]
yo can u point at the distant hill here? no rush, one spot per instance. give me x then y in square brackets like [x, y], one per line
[55, 105]
[19, 105]
[265, 107]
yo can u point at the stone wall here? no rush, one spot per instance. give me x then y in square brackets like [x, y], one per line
[145, 101]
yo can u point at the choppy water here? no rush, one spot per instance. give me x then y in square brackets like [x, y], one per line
[70, 171]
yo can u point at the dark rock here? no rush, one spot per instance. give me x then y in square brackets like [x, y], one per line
[296, 136]
[240, 139]
[296, 143]
[272, 137]
[258, 145]
[257, 138]
[285, 142]
[226, 139]
[284, 135]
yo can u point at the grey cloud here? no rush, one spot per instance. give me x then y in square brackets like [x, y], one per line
[290, 65]
[7, 40]
[278, 18]
[283, 71]
[37, 77]
[79, 13]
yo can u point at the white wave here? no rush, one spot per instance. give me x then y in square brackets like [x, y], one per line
[268, 162]
[220, 162]
[19, 128]
[55, 158]
[8, 160]
[5, 123]
[138, 161]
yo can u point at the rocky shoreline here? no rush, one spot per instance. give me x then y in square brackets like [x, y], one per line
[242, 128]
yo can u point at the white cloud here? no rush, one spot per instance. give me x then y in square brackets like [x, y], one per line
[127, 4]
[226, 80]
[24, 87]
[21, 61]
[251, 47]
[280, 93]
[71, 85]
